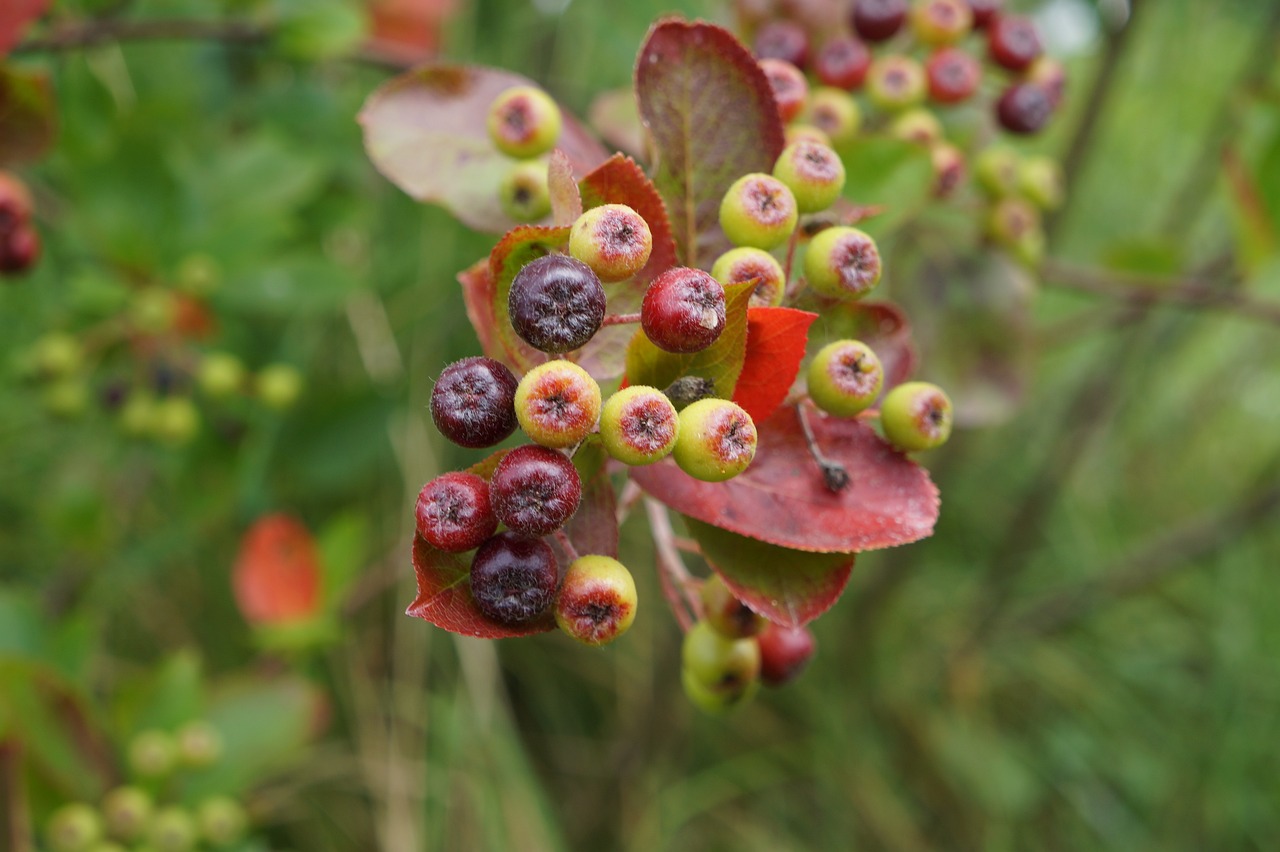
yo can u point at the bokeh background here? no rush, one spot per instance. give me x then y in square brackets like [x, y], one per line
[1084, 656]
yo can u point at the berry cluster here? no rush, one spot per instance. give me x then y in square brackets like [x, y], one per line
[134, 816]
[524, 123]
[19, 239]
[1019, 189]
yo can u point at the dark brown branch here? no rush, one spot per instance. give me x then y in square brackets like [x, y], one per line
[101, 31]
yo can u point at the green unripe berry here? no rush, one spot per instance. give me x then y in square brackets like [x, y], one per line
[73, 828]
[798, 132]
[152, 754]
[613, 240]
[127, 812]
[177, 420]
[843, 263]
[199, 744]
[758, 210]
[222, 820]
[220, 375]
[1011, 220]
[524, 193]
[726, 668]
[597, 600]
[710, 702]
[1041, 182]
[813, 173]
[717, 440]
[917, 125]
[729, 616]
[68, 398]
[834, 112]
[896, 83]
[153, 310]
[746, 263]
[524, 122]
[138, 415]
[997, 170]
[279, 386]
[57, 354]
[199, 274]
[916, 416]
[639, 425]
[557, 403]
[845, 377]
[173, 830]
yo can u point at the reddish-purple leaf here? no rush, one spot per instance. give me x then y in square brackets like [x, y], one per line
[881, 325]
[15, 16]
[477, 295]
[712, 118]
[566, 200]
[519, 246]
[781, 498]
[789, 587]
[426, 132]
[776, 340]
[28, 116]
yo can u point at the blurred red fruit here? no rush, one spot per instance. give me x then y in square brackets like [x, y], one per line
[276, 578]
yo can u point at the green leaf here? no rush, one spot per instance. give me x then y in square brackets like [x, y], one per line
[28, 117]
[890, 172]
[321, 29]
[163, 699]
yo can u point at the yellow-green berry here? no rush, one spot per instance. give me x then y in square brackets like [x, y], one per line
[835, 113]
[173, 830]
[729, 616]
[718, 672]
[278, 386]
[523, 191]
[73, 828]
[222, 820]
[524, 122]
[842, 262]
[896, 82]
[717, 440]
[597, 600]
[176, 420]
[220, 374]
[127, 812]
[758, 210]
[745, 263]
[1041, 182]
[917, 125]
[845, 377]
[639, 425]
[813, 173]
[199, 744]
[152, 754]
[916, 416]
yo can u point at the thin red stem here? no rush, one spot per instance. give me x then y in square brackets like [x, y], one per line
[620, 319]
[677, 583]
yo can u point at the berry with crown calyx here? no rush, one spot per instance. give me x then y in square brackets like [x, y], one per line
[597, 600]
[514, 578]
[743, 264]
[729, 616]
[896, 82]
[557, 403]
[717, 440]
[524, 122]
[453, 512]
[556, 303]
[535, 490]
[612, 239]
[835, 113]
[952, 75]
[998, 170]
[790, 89]
[473, 402]
[842, 62]
[683, 310]
[878, 20]
[718, 673]
[523, 191]
[814, 174]
[916, 416]
[842, 262]
[758, 210]
[938, 22]
[639, 425]
[845, 377]
[784, 653]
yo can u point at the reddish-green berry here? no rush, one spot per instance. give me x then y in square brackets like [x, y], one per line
[597, 601]
[556, 303]
[717, 440]
[1041, 182]
[199, 744]
[842, 262]
[1024, 108]
[896, 82]
[524, 122]
[784, 653]
[534, 490]
[758, 210]
[73, 828]
[718, 673]
[747, 264]
[842, 62]
[613, 240]
[782, 39]
[173, 830]
[1011, 220]
[683, 310]
[19, 249]
[1013, 42]
[453, 512]
[557, 403]
[729, 616]
[917, 125]
[916, 416]
[952, 75]
[639, 425]
[948, 168]
[790, 89]
[941, 21]
[835, 113]
[845, 377]
[222, 820]
[813, 173]
[127, 812]
[998, 171]
[524, 193]
[514, 578]
[878, 20]
[473, 402]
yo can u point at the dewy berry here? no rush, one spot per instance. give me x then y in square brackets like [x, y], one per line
[535, 490]
[896, 82]
[524, 122]
[758, 210]
[613, 240]
[557, 403]
[842, 62]
[790, 89]
[953, 75]
[639, 425]
[835, 113]
[453, 513]
[683, 310]
[845, 377]
[556, 303]
[746, 264]
[524, 193]
[814, 173]
[1013, 42]
[473, 402]
[842, 262]
[729, 616]
[938, 22]
[514, 578]
[785, 40]
[916, 416]
[717, 440]
[878, 20]
[597, 601]
[1024, 108]
[784, 653]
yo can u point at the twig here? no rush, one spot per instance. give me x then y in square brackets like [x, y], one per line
[567, 544]
[677, 583]
[103, 30]
[833, 473]
[620, 319]
[631, 494]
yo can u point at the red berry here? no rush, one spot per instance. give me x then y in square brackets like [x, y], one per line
[984, 11]
[877, 20]
[1050, 74]
[784, 652]
[19, 249]
[15, 202]
[842, 62]
[953, 75]
[473, 403]
[534, 490]
[790, 90]
[1024, 108]
[1013, 42]
[683, 310]
[785, 40]
[513, 578]
[453, 512]
[556, 303]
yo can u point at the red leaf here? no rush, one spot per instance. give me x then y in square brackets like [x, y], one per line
[789, 587]
[519, 246]
[781, 498]
[477, 295]
[426, 132]
[776, 340]
[15, 16]
[712, 118]
[276, 577]
[566, 200]
[407, 31]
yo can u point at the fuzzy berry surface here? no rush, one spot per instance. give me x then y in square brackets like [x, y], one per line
[473, 402]
[612, 239]
[557, 403]
[453, 512]
[535, 490]
[556, 303]
[717, 440]
[845, 377]
[597, 601]
[842, 262]
[683, 310]
[758, 210]
[743, 264]
[514, 578]
[639, 425]
[842, 62]
[814, 173]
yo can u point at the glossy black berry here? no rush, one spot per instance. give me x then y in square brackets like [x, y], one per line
[534, 490]
[683, 310]
[556, 303]
[1024, 108]
[473, 403]
[514, 578]
[453, 512]
[785, 40]
[877, 20]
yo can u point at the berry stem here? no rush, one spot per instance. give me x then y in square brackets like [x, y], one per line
[834, 474]
[678, 585]
[627, 500]
[563, 538]
[620, 319]
[791, 256]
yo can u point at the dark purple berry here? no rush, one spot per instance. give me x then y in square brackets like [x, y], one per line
[1013, 42]
[842, 62]
[453, 512]
[514, 578]
[953, 75]
[785, 40]
[1024, 108]
[984, 12]
[19, 249]
[534, 490]
[683, 310]
[556, 303]
[473, 403]
[877, 20]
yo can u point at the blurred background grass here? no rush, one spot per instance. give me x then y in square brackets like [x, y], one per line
[1082, 657]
